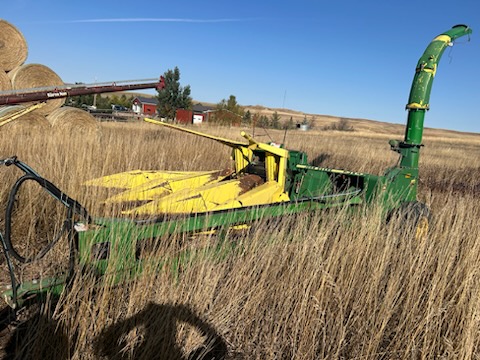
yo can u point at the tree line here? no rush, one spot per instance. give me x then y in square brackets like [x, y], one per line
[226, 112]
[103, 102]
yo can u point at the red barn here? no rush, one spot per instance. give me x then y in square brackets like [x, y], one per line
[184, 116]
[197, 115]
[145, 106]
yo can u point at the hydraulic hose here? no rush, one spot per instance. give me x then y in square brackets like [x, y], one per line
[74, 208]
[8, 221]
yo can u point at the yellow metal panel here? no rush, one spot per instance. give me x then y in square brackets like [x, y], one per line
[146, 192]
[205, 198]
[232, 204]
[270, 167]
[242, 157]
[158, 188]
[266, 147]
[132, 179]
[267, 193]
[227, 142]
[282, 172]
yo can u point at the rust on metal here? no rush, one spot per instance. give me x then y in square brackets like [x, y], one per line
[248, 182]
[222, 173]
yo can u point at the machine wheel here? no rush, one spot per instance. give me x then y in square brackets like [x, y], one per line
[414, 215]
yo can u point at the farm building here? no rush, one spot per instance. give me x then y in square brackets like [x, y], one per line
[197, 115]
[145, 105]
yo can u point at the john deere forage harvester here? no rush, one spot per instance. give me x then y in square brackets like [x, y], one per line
[267, 181]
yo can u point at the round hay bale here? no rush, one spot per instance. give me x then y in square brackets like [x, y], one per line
[5, 83]
[72, 119]
[36, 75]
[13, 47]
[31, 122]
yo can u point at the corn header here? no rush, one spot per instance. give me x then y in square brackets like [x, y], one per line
[266, 181]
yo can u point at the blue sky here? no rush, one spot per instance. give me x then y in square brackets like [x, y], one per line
[345, 58]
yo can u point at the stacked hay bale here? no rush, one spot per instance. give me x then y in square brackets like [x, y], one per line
[5, 83]
[16, 75]
[34, 76]
[13, 52]
[13, 47]
[31, 122]
[72, 119]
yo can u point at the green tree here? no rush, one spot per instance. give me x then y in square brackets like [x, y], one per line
[122, 100]
[78, 101]
[173, 96]
[228, 112]
[103, 103]
[263, 121]
[275, 121]
[342, 125]
[231, 105]
[126, 101]
[247, 118]
[289, 125]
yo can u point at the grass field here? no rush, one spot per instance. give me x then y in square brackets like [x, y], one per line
[319, 286]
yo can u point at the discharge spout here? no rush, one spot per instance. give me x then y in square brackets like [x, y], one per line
[419, 99]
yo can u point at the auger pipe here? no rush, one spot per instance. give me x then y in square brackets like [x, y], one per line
[63, 91]
[418, 101]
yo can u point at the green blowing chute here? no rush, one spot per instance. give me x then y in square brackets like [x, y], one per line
[418, 102]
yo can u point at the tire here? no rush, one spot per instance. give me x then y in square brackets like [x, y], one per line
[413, 216]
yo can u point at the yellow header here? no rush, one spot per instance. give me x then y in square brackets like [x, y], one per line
[227, 142]
[265, 147]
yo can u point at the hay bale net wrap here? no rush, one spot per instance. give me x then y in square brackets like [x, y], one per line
[37, 76]
[72, 118]
[5, 83]
[13, 47]
[29, 121]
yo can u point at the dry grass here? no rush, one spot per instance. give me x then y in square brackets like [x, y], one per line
[330, 285]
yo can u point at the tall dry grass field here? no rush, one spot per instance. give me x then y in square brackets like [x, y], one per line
[332, 285]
